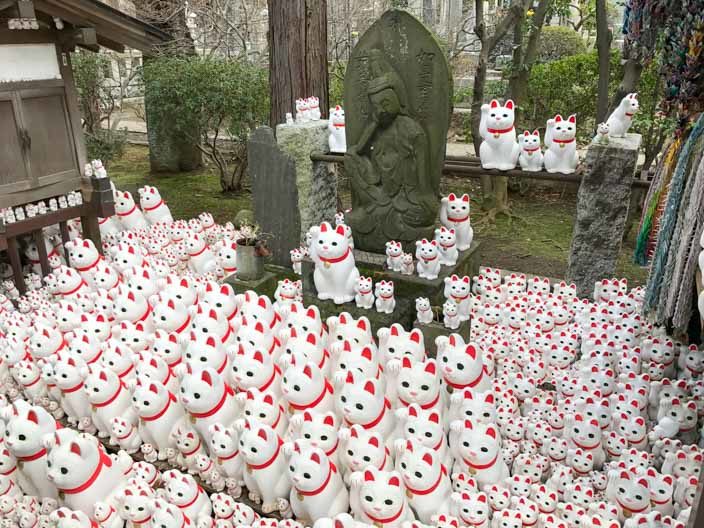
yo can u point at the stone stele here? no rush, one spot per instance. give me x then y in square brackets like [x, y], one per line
[398, 104]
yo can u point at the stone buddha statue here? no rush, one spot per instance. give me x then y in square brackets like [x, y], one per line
[388, 168]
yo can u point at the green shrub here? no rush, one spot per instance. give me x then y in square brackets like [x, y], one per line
[567, 86]
[106, 144]
[336, 85]
[208, 100]
[557, 42]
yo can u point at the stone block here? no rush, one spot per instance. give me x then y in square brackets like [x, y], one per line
[316, 183]
[266, 285]
[602, 209]
[275, 193]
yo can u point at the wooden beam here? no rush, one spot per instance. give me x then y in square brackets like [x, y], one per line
[25, 9]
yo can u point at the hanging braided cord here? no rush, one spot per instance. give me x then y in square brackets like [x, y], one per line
[669, 218]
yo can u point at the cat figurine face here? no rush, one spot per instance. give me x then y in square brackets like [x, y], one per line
[317, 430]
[462, 366]
[263, 407]
[500, 117]
[530, 142]
[254, 369]
[472, 508]
[362, 448]
[345, 328]
[419, 382]
[382, 495]
[168, 347]
[135, 502]
[361, 401]
[396, 343]
[305, 388]
[423, 427]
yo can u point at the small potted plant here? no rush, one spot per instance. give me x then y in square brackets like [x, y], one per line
[251, 251]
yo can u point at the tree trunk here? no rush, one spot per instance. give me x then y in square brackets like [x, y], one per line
[168, 151]
[522, 65]
[631, 77]
[298, 65]
[603, 46]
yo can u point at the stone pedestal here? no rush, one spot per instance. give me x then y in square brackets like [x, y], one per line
[316, 182]
[602, 209]
[291, 193]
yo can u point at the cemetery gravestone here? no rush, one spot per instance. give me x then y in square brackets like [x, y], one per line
[398, 106]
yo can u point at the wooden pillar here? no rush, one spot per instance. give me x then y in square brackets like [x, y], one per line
[38, 237]
[14, 254]
[298, 63]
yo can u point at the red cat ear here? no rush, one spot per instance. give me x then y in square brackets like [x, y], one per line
[362, 325]
[428, 459]
[102, 376]
[315, 457]
[369, 387]
[307, 371]
[32, 416]
[494, 103]
[393, 481]
[307, 417]
[75, 449]
[311, 339]
[368, 476]
[372, 440]
[152, 388]
[340, 230]
[262, 434]
[329, 420]
[406, 362]
[268, 399]
[451, 197]
[471, 351]
[434, 417]
[430, 367]
[572, 118]
[258, 356]
[509, 104]
[324, 227]
[558, 118]
[415, 336]
[535, 132]
[490, 431]
[206, 377]
[394, 331]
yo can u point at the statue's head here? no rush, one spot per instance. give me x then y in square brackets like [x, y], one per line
[384, 99]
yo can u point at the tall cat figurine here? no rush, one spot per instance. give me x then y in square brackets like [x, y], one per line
[531, 158]
[499, 149]
[454, 214]
[561, 153]
[335, 273]
[621, 118]
[337, 140]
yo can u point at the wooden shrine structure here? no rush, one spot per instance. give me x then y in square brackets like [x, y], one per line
[42, 152]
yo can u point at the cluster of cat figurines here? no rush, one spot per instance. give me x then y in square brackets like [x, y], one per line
[307, 109]
[503, 149]
[558, 411]
[337, 277]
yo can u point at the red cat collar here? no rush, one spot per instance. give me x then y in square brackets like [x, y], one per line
[376, 420]
[481, 466]
[113, 397]
[159, 204]
[211, 412]
[531, 149]
[458, 220]
[227, 334]
[387, 519]
[499, 130]
[432, 488]
[277, 370]
[128, 212]
[73, 389]
[195, 498]
[327, 388]
[471, 384]
[194, 450]
[230, 456]
[80, 285]
[425, 406]
[110, 512]
[269, 462]
[589, 448]
[103, 460]
[90, 266]
[333, 448]
[336, 259]
[563, 141]
[161, 413]
[183, 326]
[626, 508]
[322, 486]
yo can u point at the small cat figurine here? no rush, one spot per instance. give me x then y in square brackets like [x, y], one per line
[499, 149]
[337, 140]
[388, 506]
[603, 130]
[385, 301]
[561, 153]
[531, 158]
[454, 214]
[364, 297]
[447, 246]
[335, 273]
[620, 120]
